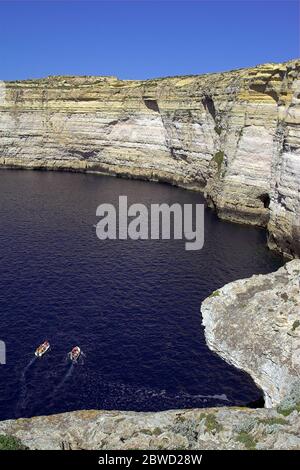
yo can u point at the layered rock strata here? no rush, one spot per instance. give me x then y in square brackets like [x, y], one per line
[233, 135]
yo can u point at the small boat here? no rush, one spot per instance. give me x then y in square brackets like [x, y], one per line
[74, 354]
[42, 349]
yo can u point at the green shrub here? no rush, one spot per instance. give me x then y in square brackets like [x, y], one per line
[246, 439]
[291, 402]
[273, 421]
[211, 423]
[288, 411]
[10, 443]
[218, 158]
[216, 293]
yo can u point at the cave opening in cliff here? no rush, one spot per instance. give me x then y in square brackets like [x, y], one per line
[208, 103]
[152, 104]
[265, 199]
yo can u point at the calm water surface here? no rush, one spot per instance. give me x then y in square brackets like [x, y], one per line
[132, 306]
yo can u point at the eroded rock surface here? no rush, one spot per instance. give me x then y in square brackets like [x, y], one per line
[254, 324]
[233, 135]
[223, 428]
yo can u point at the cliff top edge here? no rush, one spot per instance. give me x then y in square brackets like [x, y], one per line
[112, 78]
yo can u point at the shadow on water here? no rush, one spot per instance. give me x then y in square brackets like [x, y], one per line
[259, 403]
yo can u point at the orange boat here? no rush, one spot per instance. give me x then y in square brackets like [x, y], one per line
[42, 349]
[74, 354]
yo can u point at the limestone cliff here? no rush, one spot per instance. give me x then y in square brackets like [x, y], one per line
[233, 135]
[254, 324]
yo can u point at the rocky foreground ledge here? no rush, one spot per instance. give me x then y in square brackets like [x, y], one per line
[214, 428]
[253, 324]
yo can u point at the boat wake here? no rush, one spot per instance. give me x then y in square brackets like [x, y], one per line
[145, 394]
[21, 403]
[30, 363]
[119, 395]
[68, 374]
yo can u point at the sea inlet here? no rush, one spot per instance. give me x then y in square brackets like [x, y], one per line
[132, 306]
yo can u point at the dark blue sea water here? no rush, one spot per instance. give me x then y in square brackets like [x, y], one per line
[132, 306]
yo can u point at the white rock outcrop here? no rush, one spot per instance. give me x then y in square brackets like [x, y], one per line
[254, 324]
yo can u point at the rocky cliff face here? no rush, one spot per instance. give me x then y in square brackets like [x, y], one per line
[254, 324]
[233, 135]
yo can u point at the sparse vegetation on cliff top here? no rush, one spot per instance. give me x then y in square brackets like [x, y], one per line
[10, 443]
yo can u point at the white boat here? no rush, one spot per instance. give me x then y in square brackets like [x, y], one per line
[74, 354]
[42, 349]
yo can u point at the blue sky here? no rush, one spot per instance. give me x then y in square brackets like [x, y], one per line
[143, 39]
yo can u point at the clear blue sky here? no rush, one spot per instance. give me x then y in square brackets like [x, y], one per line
[143, 39]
